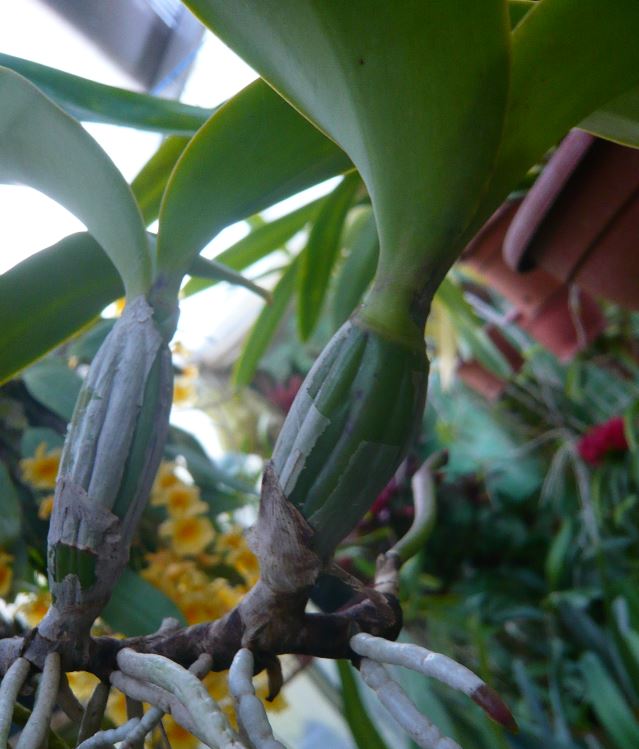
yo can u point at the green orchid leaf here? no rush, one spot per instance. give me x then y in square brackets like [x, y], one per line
[149, 185]
[212, 270]
[321, 253]
[362, 727]
[414, 92]
[9, 510]
[48, 297]
[54, 385]
[517, 9]
[264, 239]
[94, 102]
[357, 271]
[569, 58]
[41, 146]
[255, 151]
[617, 120]
[608, 703]
[124, 612]
[265, 327]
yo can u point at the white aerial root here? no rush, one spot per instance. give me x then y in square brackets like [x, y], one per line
[153, 716]
[399, 705]
[9, 689]
[94, 712]
[251, 715]
[419, 659]
[213, 727]
[439, 666]
[38, 724]
[106, 739]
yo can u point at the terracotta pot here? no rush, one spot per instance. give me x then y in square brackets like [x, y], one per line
[526, 291]
[479, 378]
[580, 221]
[542, 301]
[566, 324]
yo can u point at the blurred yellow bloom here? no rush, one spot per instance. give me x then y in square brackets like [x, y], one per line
[189, 535]
[116, 707]
[184, 390]
[164, 479]
[35, 608]
[179, 738]
[245, 562]
[45, 508]
[6, 573]
[118, 306]
[181, 500]
[82, 684]
[41, 470]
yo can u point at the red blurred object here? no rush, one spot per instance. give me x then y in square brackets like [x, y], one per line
[603, 439]
[283, 395]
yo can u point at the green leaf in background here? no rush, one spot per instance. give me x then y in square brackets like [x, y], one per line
[414, 92]
[609, 705]
[41, 146]
[363, 730]
[137, 607]
[618, 120]
[357, 271]
[54, 385]
[517, 9]
[94, 102]
[255, 151]
[569, 58]
[9, 510]
[50, 296]
[149, 184]
[321, 253]
[85, 347]
[469, 329]
[212, 270]
[265, 327]
[33, 437]
[263, 240]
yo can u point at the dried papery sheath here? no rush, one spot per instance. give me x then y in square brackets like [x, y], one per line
[110, 458]
[399, 705]
[439, 667]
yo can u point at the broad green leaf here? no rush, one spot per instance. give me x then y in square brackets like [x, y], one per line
[414, 92]
[265, 327]
[149, 185]
[33, 437]
[259, 243]
[51, 295]
[86, 346]
[617, 120]
[357, 271]
[608, 703]
[321, 252]
[212, 270]
[137, 608]
[41, 146]
[517, 9]
[362, 727]
[54, 385]
[94, 102]
[9, 510]
[255, 151]
[569, 58]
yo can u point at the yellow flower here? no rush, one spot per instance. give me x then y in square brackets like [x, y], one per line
[181, 501]
[179, 738]
[245, 562]
[41, 470]
[35, 608]
[6, 573]
[82, 684]
[189, 535]
[116, 707]
[184, 390]
[164, 479]
[45, 508]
